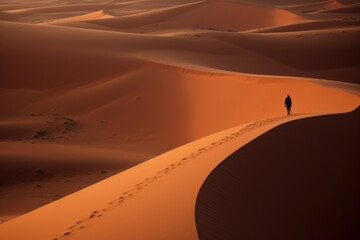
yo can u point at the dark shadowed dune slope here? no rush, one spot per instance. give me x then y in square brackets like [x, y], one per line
[298, 181]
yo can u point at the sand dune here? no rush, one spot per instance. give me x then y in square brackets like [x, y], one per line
[188, 16]
[104, 95]
[37, 12]
[158, 181]
[347, 9]
[91, 88]
[85, 17]
[313, 26]
[42, 173]
[56, 12]
[140, 191]
[65, 8]
[315, 6]
[308, 178]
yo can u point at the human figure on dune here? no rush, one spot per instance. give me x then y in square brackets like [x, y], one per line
[288, 104]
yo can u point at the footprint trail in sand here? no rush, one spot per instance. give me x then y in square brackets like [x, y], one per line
[132, 192]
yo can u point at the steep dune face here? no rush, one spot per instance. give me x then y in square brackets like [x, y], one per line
[303, 177]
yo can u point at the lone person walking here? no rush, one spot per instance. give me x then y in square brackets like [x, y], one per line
[288, 104]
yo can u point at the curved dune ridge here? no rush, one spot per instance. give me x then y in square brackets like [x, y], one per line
[158, 181]
[156, 188]
[91, 90]
[64, 8]
[238, 17]
[302, 177]
[102, 14]
[52, 12]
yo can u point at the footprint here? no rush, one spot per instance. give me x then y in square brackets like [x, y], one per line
[132, 192]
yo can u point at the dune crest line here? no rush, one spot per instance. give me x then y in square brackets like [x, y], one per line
[130, 193]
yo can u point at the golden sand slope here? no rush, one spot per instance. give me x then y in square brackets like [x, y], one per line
[158, 196]
[85, 17]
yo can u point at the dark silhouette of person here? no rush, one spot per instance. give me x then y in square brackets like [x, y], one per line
[288, 104]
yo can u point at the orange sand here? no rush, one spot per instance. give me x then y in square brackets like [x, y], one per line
[90, 89]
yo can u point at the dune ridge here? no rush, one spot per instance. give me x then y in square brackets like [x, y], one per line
[189, 15]
[162, 170]
[102, 14]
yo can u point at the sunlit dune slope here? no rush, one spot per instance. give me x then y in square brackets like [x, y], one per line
[157, 196]
[89, 16]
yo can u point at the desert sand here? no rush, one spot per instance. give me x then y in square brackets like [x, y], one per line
[114, 114]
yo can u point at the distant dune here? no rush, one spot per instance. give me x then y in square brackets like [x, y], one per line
[85, 17]
[188, 16]
[313, 26]
[347, 9]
